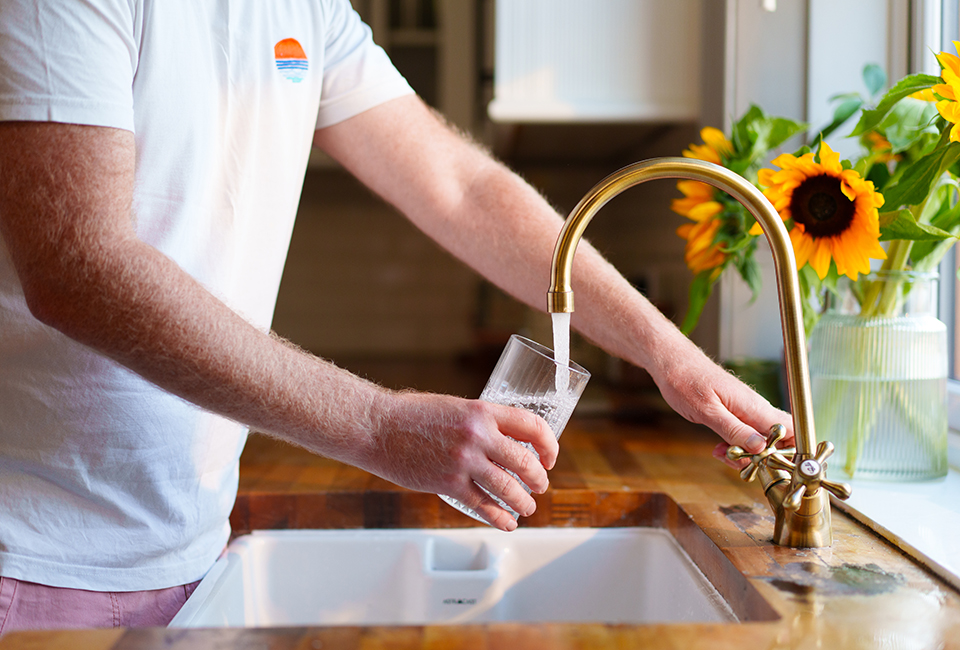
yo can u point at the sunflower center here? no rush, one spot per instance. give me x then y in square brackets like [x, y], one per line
[820, 205]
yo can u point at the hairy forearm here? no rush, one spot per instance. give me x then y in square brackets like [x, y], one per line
[168, 329]
[65, 216]
[137, 307]
[519, 230]
[490, 218]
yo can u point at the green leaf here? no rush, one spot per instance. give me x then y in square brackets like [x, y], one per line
[741, 133]
[912, 187]
[844, 97]
[843, 112]
[816, 145]
[901, 224]
[928, 254]
[879, 174]
[778, 130]
[809, 294]
[750, 272]
[829, 281]
[939, 209]
[756, 133]
[908, 122]
[874, 77]
[700, 289]
[904, 88]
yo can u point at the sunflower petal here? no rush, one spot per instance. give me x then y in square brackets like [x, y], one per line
[802, 245]
[705, 210]
[830, 160]
[820, 258]
[716, 140]
[702, 152]
[950, 62]
[696, 189]
[943, 90]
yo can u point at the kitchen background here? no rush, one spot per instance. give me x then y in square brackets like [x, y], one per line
[366, 289]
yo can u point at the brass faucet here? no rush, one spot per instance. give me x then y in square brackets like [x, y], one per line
[797, 489]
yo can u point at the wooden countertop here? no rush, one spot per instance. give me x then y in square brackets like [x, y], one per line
[657, 470]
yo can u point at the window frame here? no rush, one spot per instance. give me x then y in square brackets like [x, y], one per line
[949, 308]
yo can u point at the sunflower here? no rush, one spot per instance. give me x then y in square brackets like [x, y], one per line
[702, 252]
[949, 91]
[834, 211]
[700, 204]
[715, 146]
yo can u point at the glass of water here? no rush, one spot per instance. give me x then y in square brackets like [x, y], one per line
[528, 377]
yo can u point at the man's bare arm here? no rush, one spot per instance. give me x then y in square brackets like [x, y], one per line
[66, 218]
[491, 219]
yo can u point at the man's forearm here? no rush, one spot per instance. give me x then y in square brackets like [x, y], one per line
[488, 217]
[609, 311]
[85, 273]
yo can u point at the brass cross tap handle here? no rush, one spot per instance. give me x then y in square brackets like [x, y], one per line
[808, 476]
[793, 489]
[749, 473]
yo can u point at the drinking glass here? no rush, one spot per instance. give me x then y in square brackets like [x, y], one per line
[528, 377]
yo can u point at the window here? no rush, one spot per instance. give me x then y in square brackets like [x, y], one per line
[949, 284]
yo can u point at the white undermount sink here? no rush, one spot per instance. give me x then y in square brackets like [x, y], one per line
[450, 576]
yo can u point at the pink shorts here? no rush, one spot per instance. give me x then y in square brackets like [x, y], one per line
[30, 606]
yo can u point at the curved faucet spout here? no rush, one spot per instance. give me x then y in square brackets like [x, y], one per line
[560, 299]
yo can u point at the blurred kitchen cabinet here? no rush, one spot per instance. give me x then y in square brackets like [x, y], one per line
[597, 61]
[433, 43]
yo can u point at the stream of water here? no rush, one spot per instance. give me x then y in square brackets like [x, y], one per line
[561, 350]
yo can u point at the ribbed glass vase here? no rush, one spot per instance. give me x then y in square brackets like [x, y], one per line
[878, 372]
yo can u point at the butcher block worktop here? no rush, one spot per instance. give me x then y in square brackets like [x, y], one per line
[655, 470]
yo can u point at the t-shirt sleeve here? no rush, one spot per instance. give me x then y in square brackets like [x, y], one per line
[357, 73]
[70, 62]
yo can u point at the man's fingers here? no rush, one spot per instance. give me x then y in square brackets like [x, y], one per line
[720, 453]
[505, 487]
[495, 515]
[491, 511]
[755, 411]
[521, 460]
[527, 427]
[735, 432]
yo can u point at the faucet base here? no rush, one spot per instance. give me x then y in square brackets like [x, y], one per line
[806, 527]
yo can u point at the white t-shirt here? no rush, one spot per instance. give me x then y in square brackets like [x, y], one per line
[106, 482]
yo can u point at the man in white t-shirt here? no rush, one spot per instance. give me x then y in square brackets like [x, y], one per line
[151, 158]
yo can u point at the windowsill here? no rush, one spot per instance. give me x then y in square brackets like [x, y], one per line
[922, 518]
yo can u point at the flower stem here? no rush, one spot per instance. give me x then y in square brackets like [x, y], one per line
[881, 296]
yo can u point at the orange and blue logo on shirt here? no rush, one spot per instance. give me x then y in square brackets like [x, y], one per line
[291, 59]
